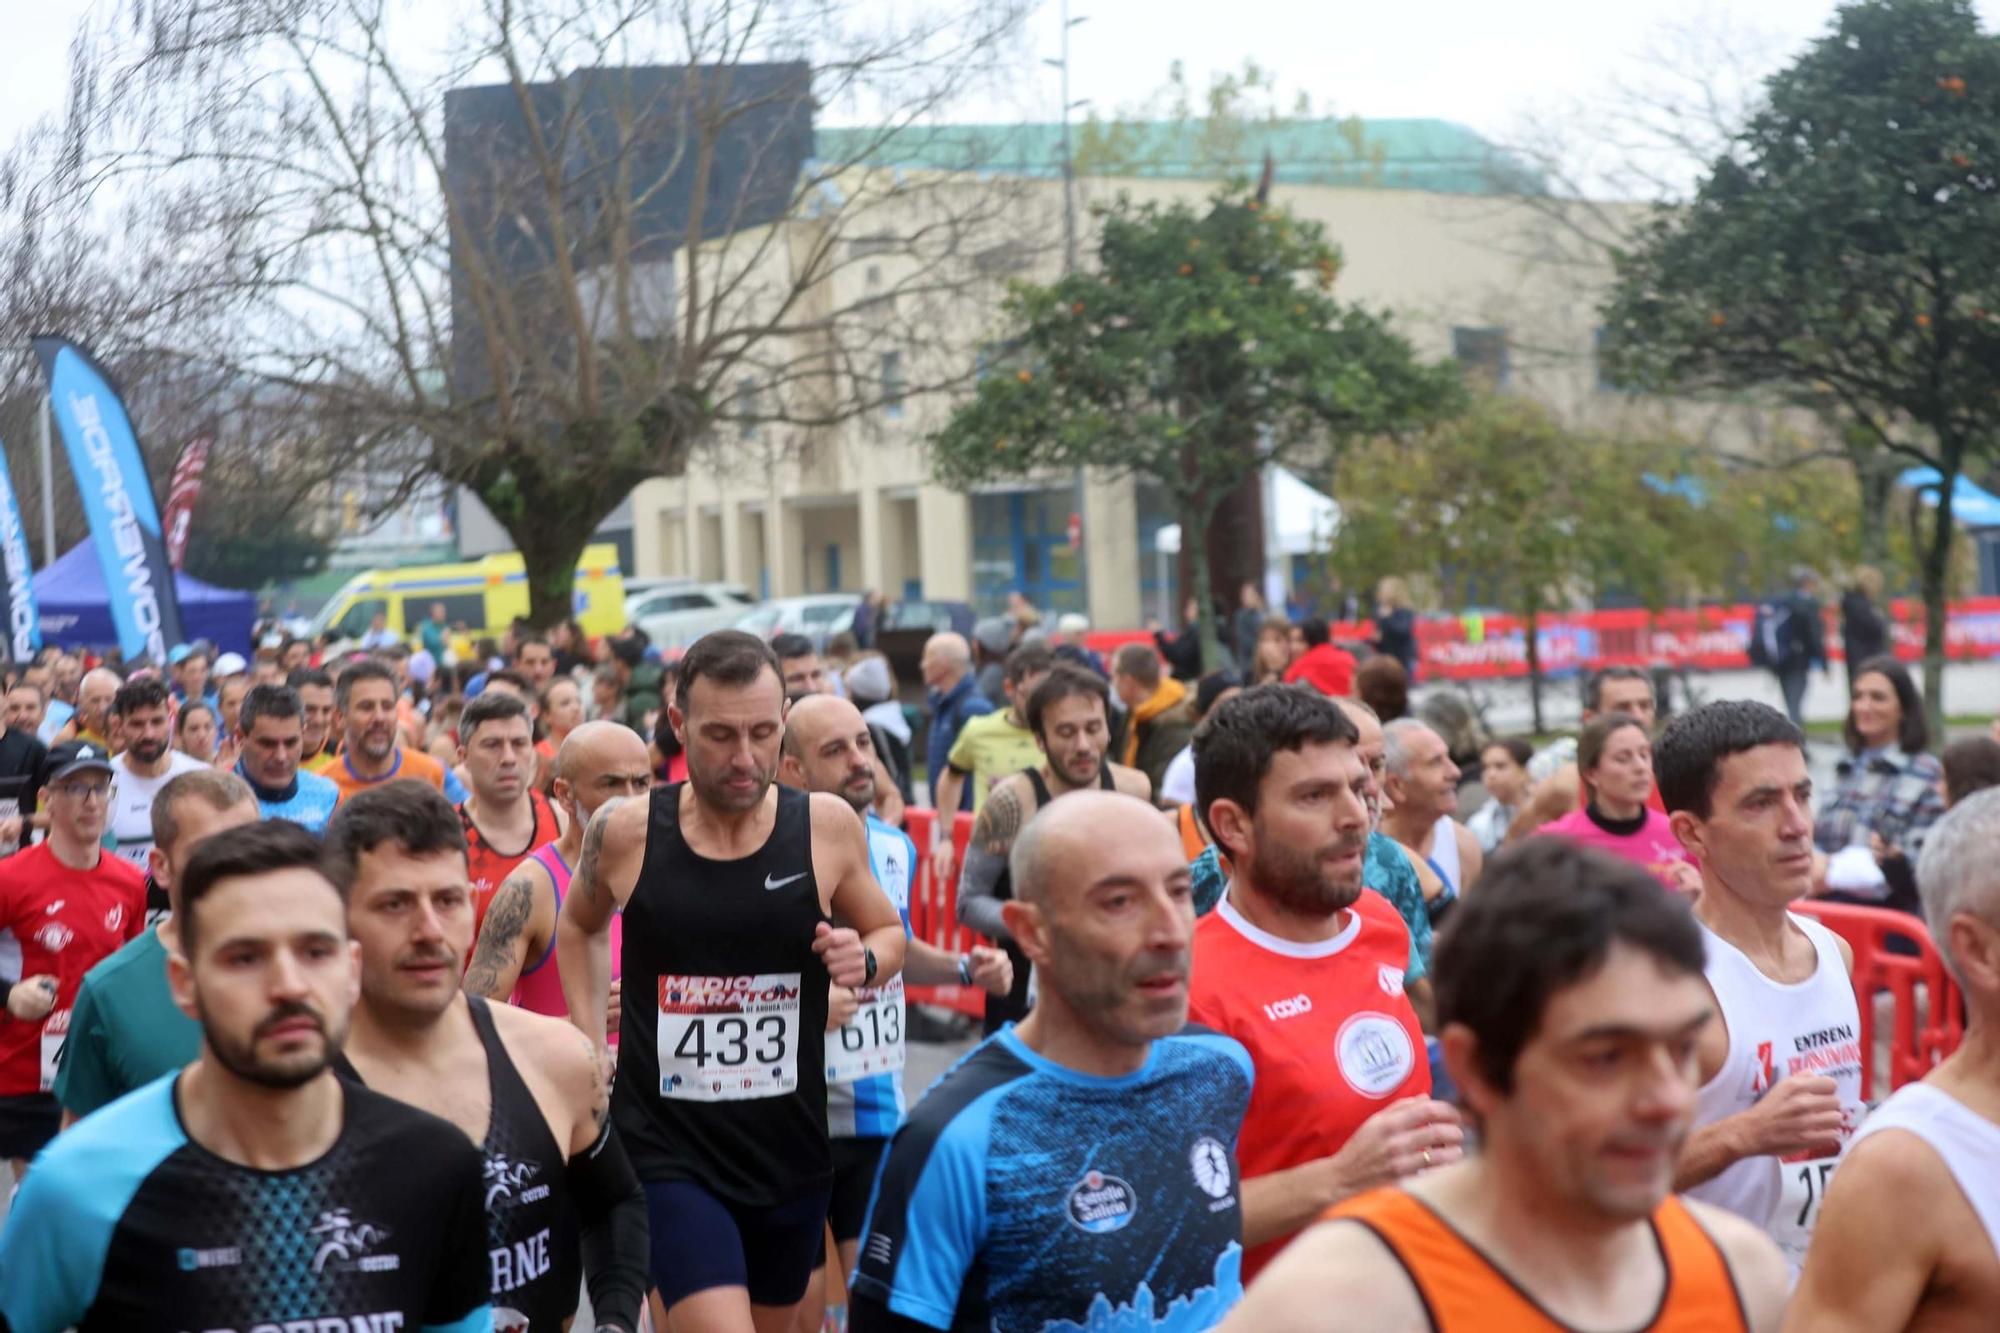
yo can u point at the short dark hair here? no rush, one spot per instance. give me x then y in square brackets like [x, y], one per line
[217, 788]
[1234, 745]
[727, 657]
[630, 648]
[263, 848]
[1140, 661]
[304, 676]
[145, 692]
[1064, 681]
[1687, 759]
[365, 669]
[279, 701]
[488, 707]
[1384, 685]
[789, 647]
[1913, 736]
[1970, 765]
[528, 639]
[1518, 748]
[1028, 660]
[1593, 689]
[412, 814]
[1546, 916]
[1315, 631]
[509, 676]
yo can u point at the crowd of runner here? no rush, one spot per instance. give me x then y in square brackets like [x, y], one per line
[315, 1019]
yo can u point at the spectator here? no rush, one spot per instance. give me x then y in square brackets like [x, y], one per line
[1864, 630]
[1159, 720]
[1247, 625]
[1383, 684]
[1396, 624]
[1182, 651]
[868, 619]
[435, 632]
[607, 690]
[379, 635]
[1885, 792]
[1272, 654]
[1788, 639]
[1022, 613]
[640, 680]
[998, 744]
[871, 684]
[1970, 765]
[1324, 666]
[1214, 690]
[992, 640]
[954, 697]
[1503, 771]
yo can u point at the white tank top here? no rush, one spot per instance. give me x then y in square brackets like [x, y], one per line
[1968, 1142]
[1776, 1030]
[1444, 854]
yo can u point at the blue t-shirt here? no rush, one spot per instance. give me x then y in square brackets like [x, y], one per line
[870, 1106]
[309, 803]
[1025, 1197]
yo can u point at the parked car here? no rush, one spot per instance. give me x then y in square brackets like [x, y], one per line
[678, 614]
[819, 616]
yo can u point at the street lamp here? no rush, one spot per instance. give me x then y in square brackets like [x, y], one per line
[1068, 158]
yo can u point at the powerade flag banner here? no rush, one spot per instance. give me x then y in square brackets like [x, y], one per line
[117, 499]
[22, 623]
[181, 494]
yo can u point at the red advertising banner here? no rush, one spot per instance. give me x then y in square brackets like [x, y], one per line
[181, 494]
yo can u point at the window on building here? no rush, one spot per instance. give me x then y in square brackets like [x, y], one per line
[1604, 346]
[892, 384]
[1482, 351]
[746, 407]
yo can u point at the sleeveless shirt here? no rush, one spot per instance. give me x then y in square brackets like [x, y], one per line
[540, 988]
[1967, 1142]
[722, 1070]
[489, 866]
[1463, 1291]
[531, 1231]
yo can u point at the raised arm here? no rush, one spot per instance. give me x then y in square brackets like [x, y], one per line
[520, 923]
[614, 846]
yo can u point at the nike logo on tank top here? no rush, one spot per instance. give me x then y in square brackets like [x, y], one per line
[722, 1063]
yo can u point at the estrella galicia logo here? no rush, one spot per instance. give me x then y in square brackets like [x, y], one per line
[1101, 1204]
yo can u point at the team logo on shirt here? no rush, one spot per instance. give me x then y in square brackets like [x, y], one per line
[1374, 1054]
[1101, 1204]
[54, 936]
[1209, 1161]
[1390, 979]
[115, 918]
[344, 1245]
[507, 1181]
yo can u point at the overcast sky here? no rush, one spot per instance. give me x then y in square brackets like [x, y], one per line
[1482, 64]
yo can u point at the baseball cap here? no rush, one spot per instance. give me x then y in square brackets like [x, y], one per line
[178, 654]
[230, 664]
[72, 757]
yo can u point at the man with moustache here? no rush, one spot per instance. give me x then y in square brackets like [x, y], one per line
[528, 1089]
[1299, 961]
[253, 1189]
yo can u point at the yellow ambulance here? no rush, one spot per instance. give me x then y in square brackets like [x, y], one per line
[481, 597]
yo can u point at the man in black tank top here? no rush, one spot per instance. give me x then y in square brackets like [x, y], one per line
[527, 1089]
[1068, 712]
[731, 888]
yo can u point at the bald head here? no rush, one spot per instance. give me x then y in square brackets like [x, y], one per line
[828, 748]
[93, 698]
[600, 761]
[947, 657]
[1087, 837]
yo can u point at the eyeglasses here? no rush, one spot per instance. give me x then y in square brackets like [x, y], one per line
[84, 791]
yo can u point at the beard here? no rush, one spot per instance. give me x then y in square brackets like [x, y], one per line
[242, 1060]
[714, 792]
[1301, 882]
[147, 752]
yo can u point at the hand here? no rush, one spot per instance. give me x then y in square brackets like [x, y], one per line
[10, 830]
[614, 1008]
[1799, 1115]
[227, 753]
[841, 1006]
[1412, 1135]
[840, 948]
[32, 998]
[1686, 877]
[941, 862]
[992, 970]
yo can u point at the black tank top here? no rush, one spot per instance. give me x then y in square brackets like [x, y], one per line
[722, 1047]
[531, 1231]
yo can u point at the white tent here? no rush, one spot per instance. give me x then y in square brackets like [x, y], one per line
[1298, 520]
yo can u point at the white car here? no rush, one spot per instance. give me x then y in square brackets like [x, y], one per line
[678, 614]
[819, 617]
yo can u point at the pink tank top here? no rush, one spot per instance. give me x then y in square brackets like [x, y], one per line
[540, 987]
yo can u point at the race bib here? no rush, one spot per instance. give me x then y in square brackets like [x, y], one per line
[872, 1041]
[724, 1039]
[55, 1031]
[1802, 1186]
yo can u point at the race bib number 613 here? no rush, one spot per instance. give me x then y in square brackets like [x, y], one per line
[729, 1038]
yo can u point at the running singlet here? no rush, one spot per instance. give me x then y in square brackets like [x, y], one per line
[530, 1233]
[1024, 1197]
[1776, 1031]
[540, 988]
[132, 803]
[1965, 1141]
[490, 866]
[127, 1226]
[308, 802]
[58, 922]
[412, 764]
[1327, 1025]
[864, 1059]
[1463, 1292]
[722, 1068]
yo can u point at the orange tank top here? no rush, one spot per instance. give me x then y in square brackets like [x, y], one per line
[489, 866]
[1463, 1292]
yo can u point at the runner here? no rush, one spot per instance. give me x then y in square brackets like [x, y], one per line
[254, 1190]
[319, 741]
[65, 904]
[828, 749]
[366, 698]
[25, 705]
[516, 953]
[144, 712]
[124, 1030]
[269, 739]
[1077, 1171]
[526, 1088]
[1570, 990]
[1910, 1237]
[726, 882]
[1298, 960]
[1422, 787]
[92, 720]
[1781, 1073]
[807, 676]
[497, 747]
[1068, 716]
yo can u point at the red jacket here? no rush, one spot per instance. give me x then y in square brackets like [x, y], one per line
[1328, 669]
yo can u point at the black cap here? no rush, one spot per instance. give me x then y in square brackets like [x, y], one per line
[72, 757]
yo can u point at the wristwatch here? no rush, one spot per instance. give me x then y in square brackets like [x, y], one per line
[965, 969]
[868, 966]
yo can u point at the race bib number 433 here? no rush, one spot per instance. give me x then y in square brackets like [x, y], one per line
[729, 1038]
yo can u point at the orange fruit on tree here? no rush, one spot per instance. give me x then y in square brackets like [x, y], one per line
[1025, 375]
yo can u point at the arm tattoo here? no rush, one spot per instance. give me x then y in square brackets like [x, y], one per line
[999, 821]
[500, 941]
[586, 879]
[600, 1085]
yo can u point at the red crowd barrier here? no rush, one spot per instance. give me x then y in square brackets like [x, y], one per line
[934, 910]
[1915, 1045]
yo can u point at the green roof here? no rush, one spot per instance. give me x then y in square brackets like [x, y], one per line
[1396, 154]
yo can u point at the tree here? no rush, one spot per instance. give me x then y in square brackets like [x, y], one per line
[1848, 244]
[547, 263]
[1203, 347]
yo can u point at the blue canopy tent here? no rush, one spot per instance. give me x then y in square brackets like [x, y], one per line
[1972, 508]
[77, 614]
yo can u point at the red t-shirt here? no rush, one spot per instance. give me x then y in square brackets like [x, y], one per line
[490, 866]
[1331, 1034]
[58, 922]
